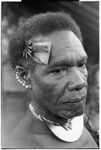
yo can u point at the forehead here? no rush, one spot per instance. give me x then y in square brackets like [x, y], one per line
[65, 45]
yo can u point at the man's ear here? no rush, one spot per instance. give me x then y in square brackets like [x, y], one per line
[23, 76]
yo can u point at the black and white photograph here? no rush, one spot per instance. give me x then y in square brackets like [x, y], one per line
[50, 75]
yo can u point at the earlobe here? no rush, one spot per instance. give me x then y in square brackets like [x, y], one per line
[23, 76]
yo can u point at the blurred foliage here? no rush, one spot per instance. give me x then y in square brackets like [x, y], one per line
[12, 17]
[7, 33]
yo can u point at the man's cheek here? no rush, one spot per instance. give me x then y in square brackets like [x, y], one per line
[46, 91]
[51, 92]
[69, 110]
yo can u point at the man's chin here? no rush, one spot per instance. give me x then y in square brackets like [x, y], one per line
[74, 110]
[62, 113]
[71, 114]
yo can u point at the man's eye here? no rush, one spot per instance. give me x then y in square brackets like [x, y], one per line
[57, 71]
[82, 65]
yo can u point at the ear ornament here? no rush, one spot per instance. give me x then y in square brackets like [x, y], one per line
[18, 72]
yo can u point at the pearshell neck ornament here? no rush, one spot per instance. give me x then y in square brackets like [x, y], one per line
[69, 132]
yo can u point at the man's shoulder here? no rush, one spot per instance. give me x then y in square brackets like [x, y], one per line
[33, 134]
[21, 136]
[87, 139]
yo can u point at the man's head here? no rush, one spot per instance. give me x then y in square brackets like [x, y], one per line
[58, 87]
[41, 24]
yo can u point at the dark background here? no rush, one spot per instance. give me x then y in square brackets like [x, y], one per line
[14, 98]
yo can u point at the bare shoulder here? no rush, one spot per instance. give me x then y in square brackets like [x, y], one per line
[21, 135]
[29, 134]
[87, 139]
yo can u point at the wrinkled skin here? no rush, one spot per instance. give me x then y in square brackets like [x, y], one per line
[62, 80]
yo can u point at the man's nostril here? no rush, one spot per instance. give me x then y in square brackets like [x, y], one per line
[73, 86]
[79, 87]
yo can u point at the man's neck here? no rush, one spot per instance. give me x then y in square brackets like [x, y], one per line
[69, 132]
[40, 111]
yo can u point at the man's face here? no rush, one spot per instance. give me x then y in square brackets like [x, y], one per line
[60, 87]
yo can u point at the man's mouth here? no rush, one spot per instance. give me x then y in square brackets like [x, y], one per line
[75, 100]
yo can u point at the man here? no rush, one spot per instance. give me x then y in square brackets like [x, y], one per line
[48, 57]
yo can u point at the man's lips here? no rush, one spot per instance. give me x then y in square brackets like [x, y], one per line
[74, 100]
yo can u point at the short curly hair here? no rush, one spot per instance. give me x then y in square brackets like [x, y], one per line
[40, 24]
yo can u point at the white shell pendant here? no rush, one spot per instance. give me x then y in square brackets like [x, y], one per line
[70, 134]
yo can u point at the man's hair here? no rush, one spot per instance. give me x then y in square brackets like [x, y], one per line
[40, 24]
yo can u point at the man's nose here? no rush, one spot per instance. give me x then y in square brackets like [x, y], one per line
[77, 81]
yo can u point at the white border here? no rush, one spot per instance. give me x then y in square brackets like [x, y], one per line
[99, 61]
